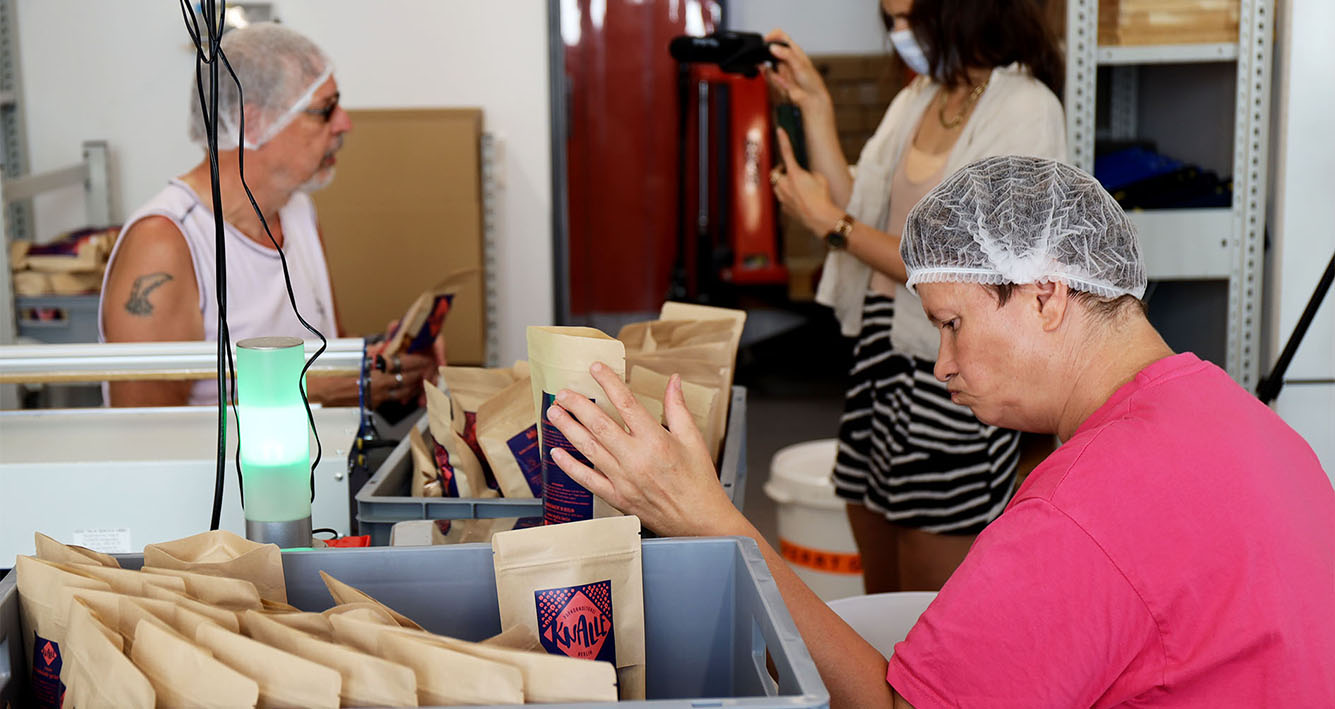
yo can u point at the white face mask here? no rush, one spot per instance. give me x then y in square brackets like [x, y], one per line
[908, 49]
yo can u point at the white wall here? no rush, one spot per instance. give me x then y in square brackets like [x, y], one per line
[818, 26]
[122, 72]
[1303, 218]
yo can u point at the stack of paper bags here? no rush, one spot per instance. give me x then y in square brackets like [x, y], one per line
[205, 624]
[697, 342]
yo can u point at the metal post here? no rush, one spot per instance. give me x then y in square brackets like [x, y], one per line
[1082, 37]
[1250, 156]
[13, 136]
[559, 91]
[9, 396]
[492, 186]
[1124, 101]
[97, 194]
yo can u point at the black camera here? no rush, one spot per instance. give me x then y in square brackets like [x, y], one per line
[733, 52]
[742, 53]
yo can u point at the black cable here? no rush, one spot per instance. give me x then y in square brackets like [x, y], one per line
[287, 281]
[214, 18]
[209, 108]
[1270, 385]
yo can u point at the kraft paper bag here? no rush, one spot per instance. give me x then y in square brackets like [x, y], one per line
[686, 333]
[579, 589]
[700, 399]
[269, 606]
[559, 358]
[367, 611]
[343, 593]
[125, 580]
[44, 619]
[49, 549]
[673, 310]
[516, 638]
[97, 673]
[736, 320]
[656, 335]
[426, 477]
[284, 679]
[222, 616]
[314, 624]
[709, 375]
[222, 553]
[476, 531]
[548, 678]
[233, 594]
[422, 322]
[367, 681]
[444, 677]
[460, 472]
[507, 431]
[474, 385]
[186, 675]
[123, 613]
[469, 388]
[415, 533]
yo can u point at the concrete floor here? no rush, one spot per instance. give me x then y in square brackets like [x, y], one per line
[795, 393]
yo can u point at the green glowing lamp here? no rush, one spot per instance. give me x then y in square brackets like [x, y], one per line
[275, 441]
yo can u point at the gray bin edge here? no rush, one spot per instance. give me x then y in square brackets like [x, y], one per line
[782, 640]
[376, 514]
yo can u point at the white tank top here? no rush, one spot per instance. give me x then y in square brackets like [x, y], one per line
[257, 303]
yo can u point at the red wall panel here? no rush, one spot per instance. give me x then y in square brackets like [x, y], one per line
[622, 174]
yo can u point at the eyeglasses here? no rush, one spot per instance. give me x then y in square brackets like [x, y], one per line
[325, 114]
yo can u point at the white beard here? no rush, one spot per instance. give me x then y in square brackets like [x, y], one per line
[318, 181]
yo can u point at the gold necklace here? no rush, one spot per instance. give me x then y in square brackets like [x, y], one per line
[968, 104]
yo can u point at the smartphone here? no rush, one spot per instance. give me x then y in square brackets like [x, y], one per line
[788, 118]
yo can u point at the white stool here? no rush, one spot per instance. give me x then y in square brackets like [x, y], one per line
[883, 619]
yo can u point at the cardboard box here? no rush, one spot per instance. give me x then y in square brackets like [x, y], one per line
[404, 211]
[1131, 22]
[803, 255]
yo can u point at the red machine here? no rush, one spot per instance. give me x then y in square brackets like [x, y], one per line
[729, 233]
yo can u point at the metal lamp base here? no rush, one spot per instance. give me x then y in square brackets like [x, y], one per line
[287, 535]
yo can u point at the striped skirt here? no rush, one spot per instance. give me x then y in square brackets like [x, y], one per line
[906, 451]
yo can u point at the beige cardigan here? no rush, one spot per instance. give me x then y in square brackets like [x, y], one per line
[1016, 115]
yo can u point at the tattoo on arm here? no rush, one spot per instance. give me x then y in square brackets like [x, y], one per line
[144, 286]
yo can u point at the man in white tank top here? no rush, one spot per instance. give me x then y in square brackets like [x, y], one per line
[160, 283]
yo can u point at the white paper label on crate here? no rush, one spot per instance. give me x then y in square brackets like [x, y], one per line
[107, 541]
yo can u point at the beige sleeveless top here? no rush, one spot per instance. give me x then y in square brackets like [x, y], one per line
[918, 172]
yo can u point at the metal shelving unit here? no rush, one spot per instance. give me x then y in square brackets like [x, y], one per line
[1189, 244]
[1167, 54]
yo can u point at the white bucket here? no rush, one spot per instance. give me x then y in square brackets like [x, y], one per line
[814, 534]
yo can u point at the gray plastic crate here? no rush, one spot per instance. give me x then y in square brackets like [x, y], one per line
[711, 612]
[384, 499]
[79, 323]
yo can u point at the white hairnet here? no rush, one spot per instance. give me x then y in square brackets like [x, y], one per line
[1015, 219]
[279, 70]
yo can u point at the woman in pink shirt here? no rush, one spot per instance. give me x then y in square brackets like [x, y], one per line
[1177, 550]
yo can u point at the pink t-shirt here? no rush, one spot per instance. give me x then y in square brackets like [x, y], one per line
[1179, 550]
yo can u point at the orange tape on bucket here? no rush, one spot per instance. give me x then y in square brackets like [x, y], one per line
[830, 562]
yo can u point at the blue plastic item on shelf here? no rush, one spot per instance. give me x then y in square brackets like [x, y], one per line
[1120, 168]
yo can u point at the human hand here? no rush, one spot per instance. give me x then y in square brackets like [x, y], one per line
[803, 194]
[666, 477]
[438, 350]
[403, 373]
[796, 77]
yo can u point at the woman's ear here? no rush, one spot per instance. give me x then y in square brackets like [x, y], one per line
[1052, 299]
